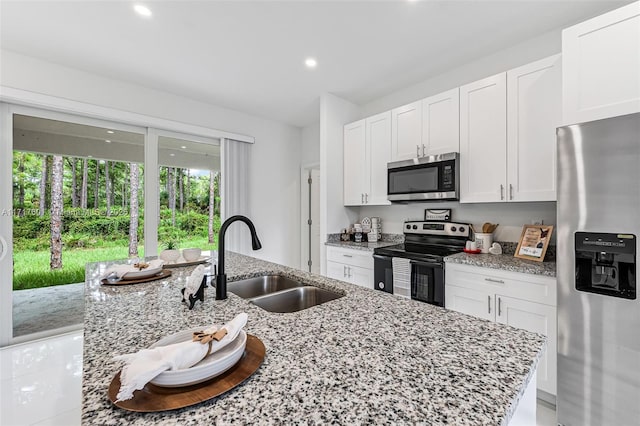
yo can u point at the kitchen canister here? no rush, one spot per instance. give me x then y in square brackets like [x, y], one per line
[484, 241]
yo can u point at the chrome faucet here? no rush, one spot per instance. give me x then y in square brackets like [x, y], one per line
[221, 278]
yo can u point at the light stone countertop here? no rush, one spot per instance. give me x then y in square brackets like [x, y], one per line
[505, 262]
[368, 357]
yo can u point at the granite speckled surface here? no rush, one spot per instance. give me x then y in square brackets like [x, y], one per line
[368, 357]
[505, 262]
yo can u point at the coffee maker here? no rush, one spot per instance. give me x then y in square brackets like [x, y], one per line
[606, 264]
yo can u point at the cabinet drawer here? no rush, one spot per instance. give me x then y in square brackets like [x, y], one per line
[363, 259]
[533, 288]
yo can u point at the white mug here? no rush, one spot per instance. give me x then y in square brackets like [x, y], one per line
[484, 241]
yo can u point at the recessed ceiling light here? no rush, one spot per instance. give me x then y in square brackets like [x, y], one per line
[311, 62]
[172, 155]
[110, 132]
[107, 141]
[183, 147]
[142, 10]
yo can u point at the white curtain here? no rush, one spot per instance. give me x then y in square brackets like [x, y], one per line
[235, 195]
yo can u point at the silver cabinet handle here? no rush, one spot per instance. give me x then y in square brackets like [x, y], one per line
[423, 154]
[347, 255]
[417, 150]
[361, 198]
[499, 306]
[349, 271]
[489, 303]
[366, 198]
[492, 280]
[510, 191]
[344, 270]
[501, 191]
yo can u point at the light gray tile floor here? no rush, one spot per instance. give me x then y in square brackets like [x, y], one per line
[47, 308]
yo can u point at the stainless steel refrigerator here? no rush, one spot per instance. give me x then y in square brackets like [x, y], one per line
[598, 305]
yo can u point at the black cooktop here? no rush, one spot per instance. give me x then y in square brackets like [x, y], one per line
[418, 251]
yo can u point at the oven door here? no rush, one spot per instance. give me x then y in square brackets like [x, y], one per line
[427, 178]
[427, 282]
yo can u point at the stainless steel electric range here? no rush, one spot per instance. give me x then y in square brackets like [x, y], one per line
[419, 264]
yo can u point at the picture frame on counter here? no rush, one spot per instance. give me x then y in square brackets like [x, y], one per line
[534, 242]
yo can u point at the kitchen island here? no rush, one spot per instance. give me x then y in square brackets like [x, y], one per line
[368, 357]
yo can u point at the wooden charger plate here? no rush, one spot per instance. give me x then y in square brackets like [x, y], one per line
[160, 275]
[155, 398]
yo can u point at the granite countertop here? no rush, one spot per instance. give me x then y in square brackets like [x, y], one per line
[361, 246]
[505, 262]
[368, 357]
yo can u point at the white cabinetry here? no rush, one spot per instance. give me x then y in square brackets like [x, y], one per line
[601, 66]
[534, 110]
[507, 134]
[406, 136]
[520, 300]
[353, 266]
[483, 140]
[367, 150]
[441, 123]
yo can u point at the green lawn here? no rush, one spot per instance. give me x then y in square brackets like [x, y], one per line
[31, 268]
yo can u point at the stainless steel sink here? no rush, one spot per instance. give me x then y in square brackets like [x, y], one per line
[295, 299]
[259, 286]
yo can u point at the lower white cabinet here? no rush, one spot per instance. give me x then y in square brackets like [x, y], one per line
[522, 301]
[352, 266]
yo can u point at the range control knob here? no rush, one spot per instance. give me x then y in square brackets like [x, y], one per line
[454, 229]
[408, 226]
[415, 226]
[381, 284]
[461, 229]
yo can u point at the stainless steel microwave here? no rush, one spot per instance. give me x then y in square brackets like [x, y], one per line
[430, 178]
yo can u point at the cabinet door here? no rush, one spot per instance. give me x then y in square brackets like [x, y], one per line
[441, 123]
[337, 271]
[483, 140]
[537, 318]
[406, 127]
[601, 66]
[354, 155]
[360, 276]
[471, 302]
[378, 137]
[534, 110]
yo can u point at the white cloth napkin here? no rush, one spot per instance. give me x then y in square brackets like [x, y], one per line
[141, 367]
[121, 270]
[193, 282]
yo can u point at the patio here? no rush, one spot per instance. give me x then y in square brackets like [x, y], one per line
[47, 308]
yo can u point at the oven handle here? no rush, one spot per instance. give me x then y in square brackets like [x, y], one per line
[427, 264]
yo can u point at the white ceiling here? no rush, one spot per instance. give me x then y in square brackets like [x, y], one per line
[248, 55]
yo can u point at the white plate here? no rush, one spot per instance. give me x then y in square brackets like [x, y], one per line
[135, 274]
[212, 366]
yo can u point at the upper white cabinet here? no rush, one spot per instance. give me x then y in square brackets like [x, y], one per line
[483, 140]
[365, 182]
[508, 134]
[406, 137]
[354, 152]
[534, 110]
[601, 66]
[441, 123]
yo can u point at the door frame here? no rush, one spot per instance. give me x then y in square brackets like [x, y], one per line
[17, 101]
[305, 169]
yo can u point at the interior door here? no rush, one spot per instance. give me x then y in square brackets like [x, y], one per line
[315, 221]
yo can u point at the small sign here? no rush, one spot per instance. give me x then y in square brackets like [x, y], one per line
[534, 242]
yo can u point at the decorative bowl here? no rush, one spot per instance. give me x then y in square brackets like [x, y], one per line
[191, 254]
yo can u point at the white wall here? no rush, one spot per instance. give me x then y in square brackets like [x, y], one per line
[334, 113]
[511, 216]
[274, 183]
[533, 49]
[310, 148]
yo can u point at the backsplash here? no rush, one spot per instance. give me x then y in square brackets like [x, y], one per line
[391, 238]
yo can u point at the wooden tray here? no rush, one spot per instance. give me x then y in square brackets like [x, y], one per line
[204, 259]
[162, 274]
[155, 398]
